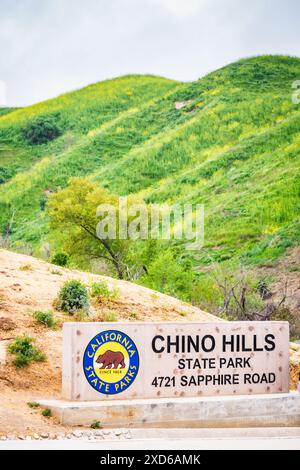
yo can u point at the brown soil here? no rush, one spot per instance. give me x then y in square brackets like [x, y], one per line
[286, 275]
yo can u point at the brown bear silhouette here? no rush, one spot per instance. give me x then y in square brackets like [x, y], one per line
[111, 359]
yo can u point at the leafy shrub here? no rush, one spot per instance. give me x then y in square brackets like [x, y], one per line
[60, 259]
[25, 351]
[46, 412]
[96, 424]
[5, 174]
[167, 275]
[229, 291]
[206, 294]
[41, 130]
[72, 297]
[133, 315]
[33, 404]
[43, 202]
[101, 289]
[45, 318]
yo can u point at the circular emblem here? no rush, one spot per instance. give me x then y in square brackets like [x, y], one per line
[111, 362]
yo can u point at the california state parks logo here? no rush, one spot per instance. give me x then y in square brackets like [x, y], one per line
[111, 362]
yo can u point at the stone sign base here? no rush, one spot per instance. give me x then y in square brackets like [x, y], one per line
[219, 412]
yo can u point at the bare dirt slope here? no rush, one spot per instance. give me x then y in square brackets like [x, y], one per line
[28, 284]
[286, 275]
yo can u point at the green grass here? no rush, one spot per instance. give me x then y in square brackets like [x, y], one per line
[24, 351]
[103, 292]
[234, 147]
[45, 318]
[4, 111]
[110, 316]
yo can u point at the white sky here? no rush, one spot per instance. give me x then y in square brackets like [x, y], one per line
[48, 47]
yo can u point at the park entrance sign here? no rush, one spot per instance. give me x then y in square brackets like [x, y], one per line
[164, 360]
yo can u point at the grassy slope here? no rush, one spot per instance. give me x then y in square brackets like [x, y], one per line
[234, 147]
[78, 113]
[4, 110]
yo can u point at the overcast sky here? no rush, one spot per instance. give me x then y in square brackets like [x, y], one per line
[48, 47]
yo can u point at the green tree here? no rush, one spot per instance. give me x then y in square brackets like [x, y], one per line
[73, 212]
[167, 275]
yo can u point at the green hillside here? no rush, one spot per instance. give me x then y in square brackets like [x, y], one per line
[4, 110]
[233, 145]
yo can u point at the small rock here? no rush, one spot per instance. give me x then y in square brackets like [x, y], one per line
[28, 438]
[105, 431]
[77, 433]
[52, 436]
[21, 438]
[98, 432]
[36, 436]
[118, 432]
[44, 435]
[69, 436]
[3, 438]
